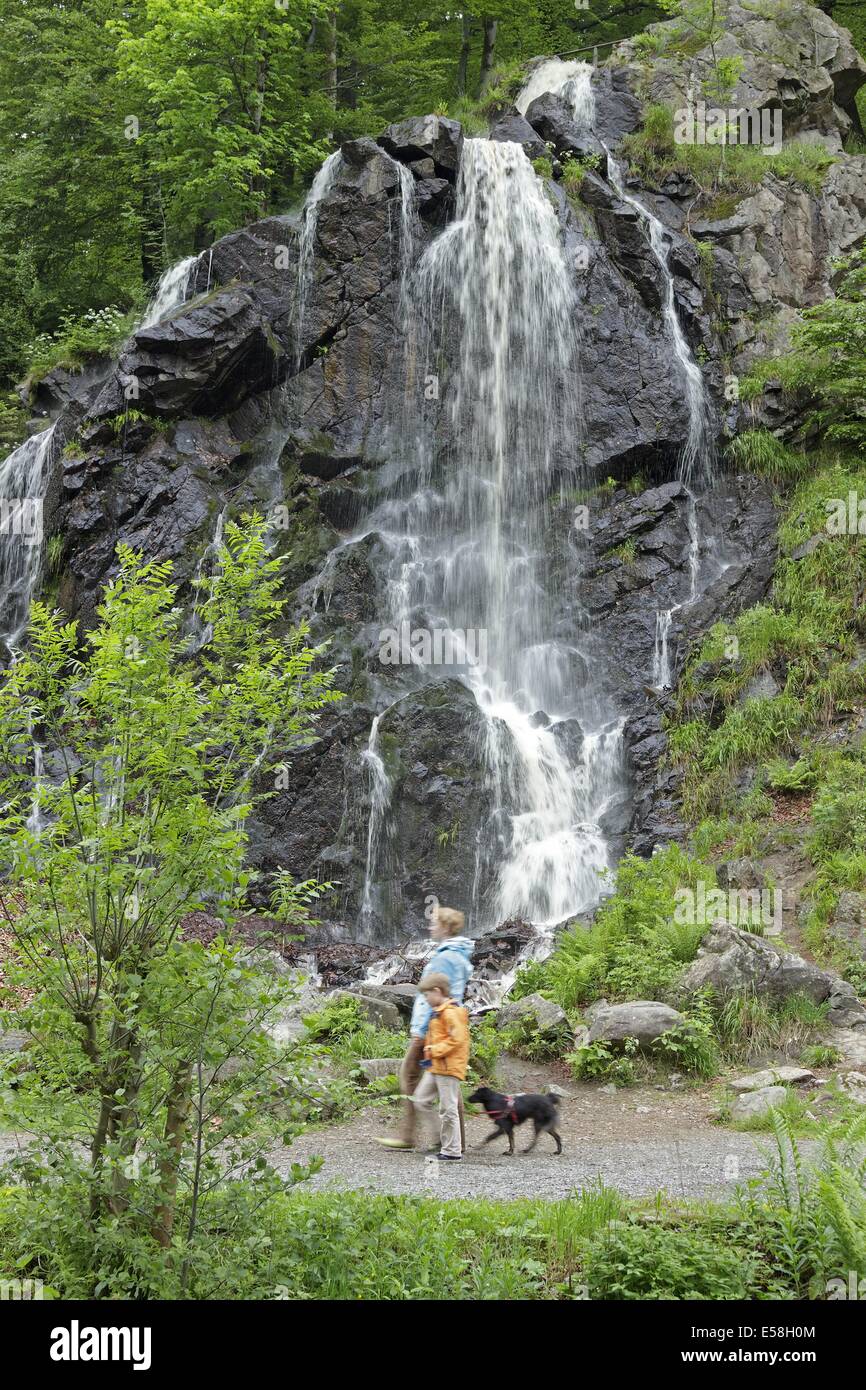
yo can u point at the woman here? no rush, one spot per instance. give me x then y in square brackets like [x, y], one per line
[452, 957]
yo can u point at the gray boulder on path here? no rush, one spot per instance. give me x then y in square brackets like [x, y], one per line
[643, 1019]
[752, 1104]
[772, 1076]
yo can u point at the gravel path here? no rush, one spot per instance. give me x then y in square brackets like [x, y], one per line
[639, 1140]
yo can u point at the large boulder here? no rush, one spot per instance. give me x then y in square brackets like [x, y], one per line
[544, 1014]
[754, 1105]
[645, 1020]
[788, 55]
[733, 962]
[207, 356]
[433, 137]
[509, 125]
[381, 1012]
[772, 1076]
[550, 116]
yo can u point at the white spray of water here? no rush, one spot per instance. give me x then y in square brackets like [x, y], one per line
[309, 221]
[171, 292]
[207, 567]
[470, 551]
[694, 461]
[380, 798]
[695, 449]
[571, 81]
[23, 480]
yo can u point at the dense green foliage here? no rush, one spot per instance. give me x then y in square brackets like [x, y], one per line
[786, 1236]
[160, 760]
[133, 135]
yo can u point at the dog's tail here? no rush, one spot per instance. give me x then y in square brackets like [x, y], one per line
[554, 1097]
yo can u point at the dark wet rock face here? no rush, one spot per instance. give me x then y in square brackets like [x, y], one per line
[239, 399]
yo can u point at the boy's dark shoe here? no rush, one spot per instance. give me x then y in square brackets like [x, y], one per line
[450, 1158]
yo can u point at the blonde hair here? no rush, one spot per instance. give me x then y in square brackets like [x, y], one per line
[452, 920]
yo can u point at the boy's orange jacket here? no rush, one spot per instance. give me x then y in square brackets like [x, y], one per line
[448, 1040]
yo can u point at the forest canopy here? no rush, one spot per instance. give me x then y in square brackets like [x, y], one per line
[132, 134]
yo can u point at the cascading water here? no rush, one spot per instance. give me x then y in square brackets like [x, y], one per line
[319, 189]
[695, 458]
[23, 478]
[694, 452]
[571, 81]
[171, 292]
[207, 567]
[380, 797]
[464, 537]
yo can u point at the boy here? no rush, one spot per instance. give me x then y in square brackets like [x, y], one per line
[446, 1052]
[452, 957]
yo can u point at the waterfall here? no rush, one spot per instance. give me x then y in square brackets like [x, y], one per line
[695, 457]
[200, 631]
[171, 291]
[694, 454]
[23, 479]
[571, 81]
[309, 220]
[36, 821]
[380, 799]
[661, 655]
[493, 295]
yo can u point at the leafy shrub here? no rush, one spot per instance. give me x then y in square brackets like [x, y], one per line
[95, 333]
[691, 1045]
[486, 1047]
[794, 777]
[633, 949]
[543, 167]
[807, 1219]
[639, 1263]
[525, 1039]
[338, 1020]
[599, 1062]
[531, 978]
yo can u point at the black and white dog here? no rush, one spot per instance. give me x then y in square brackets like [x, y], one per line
[507, 1112]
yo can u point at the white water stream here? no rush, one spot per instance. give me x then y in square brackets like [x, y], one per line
[171, 292]
[464, 539]
[694, 462]
[23, 479]
[570, 80]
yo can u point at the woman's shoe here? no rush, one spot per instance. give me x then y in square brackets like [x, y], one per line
[394, 1143]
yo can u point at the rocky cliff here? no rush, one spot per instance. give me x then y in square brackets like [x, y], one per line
[285, 382]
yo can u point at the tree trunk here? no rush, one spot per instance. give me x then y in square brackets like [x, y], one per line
[489, 28]
[257, 182]
[463, 61]
[178, 1105]
[331, 70]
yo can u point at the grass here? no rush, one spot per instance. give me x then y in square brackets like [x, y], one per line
[807, 636]
[760, 452]
[724, 174]
[750, 1027]
[784, 1236]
